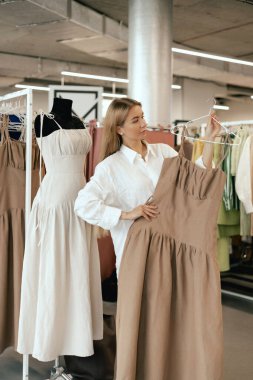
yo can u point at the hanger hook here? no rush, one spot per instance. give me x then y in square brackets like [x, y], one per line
[212, 98]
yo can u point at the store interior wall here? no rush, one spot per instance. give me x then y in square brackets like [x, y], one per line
[40, 101]
[196, 97]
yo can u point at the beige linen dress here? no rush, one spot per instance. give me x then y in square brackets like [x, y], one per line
[169, 317]
[12, 228]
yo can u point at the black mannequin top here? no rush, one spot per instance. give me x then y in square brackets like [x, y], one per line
[62, 113]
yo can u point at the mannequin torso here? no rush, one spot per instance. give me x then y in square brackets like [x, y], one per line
[62, 114]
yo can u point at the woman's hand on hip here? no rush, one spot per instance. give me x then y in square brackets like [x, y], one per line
[148, 211]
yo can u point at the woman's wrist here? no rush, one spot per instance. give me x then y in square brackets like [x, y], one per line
[210, 137]
[124, 215]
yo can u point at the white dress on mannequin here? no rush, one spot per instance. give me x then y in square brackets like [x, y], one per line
[61, 302]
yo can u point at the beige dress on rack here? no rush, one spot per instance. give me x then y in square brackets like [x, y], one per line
[12, 229]
[169, 316]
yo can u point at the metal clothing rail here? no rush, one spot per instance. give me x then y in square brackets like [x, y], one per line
[236, 123]
[224, 123]
[28, 181]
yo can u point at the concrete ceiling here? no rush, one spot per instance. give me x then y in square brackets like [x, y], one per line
[219, 26]
[40, 38]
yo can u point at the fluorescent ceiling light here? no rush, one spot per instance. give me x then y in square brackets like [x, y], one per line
[212, 56]
[98, 77]
[176, 86]
[32, 87]
[220, 107]
[110, 95]
[110, 79]
[251, 96]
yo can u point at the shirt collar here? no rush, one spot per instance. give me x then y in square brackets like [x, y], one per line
[131, 155]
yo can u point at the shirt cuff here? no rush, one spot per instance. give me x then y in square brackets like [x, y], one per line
[110, 218]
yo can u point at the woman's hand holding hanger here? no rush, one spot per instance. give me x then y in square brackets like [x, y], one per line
[213, 127]
[212, 131]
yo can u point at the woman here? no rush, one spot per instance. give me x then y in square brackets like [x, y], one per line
[117, 195]
[126, 178]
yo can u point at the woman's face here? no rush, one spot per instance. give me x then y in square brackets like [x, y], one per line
[134, 128]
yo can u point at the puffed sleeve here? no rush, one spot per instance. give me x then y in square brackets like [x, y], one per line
[95, 202]
[243, 178]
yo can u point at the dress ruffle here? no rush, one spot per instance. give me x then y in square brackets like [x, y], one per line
[169, 318]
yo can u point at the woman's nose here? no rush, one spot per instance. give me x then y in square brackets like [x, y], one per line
[143, 123]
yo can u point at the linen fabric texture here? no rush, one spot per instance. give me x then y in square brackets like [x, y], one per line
[12, 228]
[169, 315]
[121, 182]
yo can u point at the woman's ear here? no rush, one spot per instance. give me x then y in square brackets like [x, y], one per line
[119, 130]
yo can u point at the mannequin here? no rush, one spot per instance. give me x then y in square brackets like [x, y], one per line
[61, 308]
[62, 113]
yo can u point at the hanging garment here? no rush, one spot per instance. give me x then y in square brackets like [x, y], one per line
[105, 245]
[228, 222]
[197, 151]
[241, 136]
[169, 316]
[245, 222]
[61, 302]
[223, 247]
[230, 198]
[160, 136]
[228, 225]
[12, 228]
[244, 176]
[93, 155]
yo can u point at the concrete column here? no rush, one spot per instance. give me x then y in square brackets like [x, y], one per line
[149, 57]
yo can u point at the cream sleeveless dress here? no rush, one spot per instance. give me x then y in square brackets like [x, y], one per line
[61, 301]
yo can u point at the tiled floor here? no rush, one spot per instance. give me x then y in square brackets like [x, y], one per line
[238, 337]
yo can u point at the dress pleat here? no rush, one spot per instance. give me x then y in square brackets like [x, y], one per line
[61, 301]
[169, 316]
[12, 229]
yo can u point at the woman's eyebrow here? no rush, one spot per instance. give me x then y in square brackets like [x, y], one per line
[135, 117]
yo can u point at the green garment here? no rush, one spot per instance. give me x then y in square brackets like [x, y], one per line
[228, 225]
[241, 136]
[223, 254]
[228, 218]
[245, 220]
[217, 151]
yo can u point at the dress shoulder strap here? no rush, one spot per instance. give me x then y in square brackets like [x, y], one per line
[185, 133]
[57, 123]
[51, 116]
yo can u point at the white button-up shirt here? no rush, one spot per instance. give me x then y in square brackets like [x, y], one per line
[121, 182]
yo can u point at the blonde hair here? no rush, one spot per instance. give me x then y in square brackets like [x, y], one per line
[115, 116]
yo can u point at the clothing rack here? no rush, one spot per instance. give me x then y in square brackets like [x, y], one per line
[28, 94]
[231, 272]
[236, 123]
